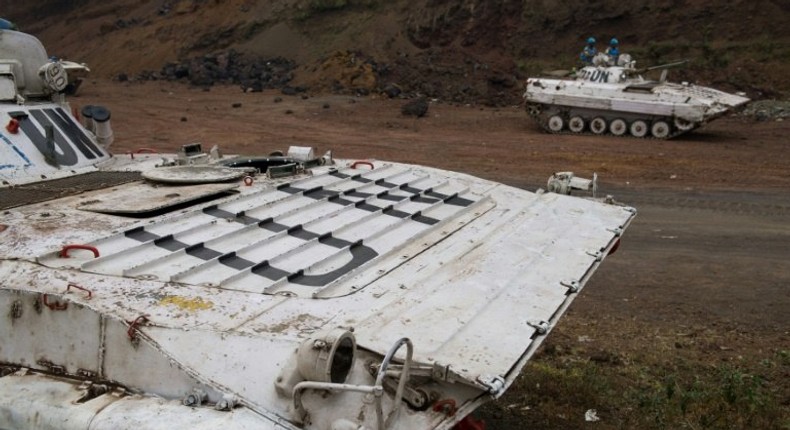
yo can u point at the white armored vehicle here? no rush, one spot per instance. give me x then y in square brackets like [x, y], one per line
[201, 291]
[615, 99]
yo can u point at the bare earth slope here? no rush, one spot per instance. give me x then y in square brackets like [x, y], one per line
[464, 50]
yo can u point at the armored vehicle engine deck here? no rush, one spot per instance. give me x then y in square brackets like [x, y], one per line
[297, 291]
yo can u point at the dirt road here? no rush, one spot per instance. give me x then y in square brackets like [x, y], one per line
[700, 283]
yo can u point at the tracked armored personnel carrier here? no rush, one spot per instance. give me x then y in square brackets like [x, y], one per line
[295, 291]
[617, 100]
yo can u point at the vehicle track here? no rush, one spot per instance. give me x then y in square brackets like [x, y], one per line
[541, 115]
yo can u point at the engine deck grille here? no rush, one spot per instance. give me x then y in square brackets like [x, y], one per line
[37, 192]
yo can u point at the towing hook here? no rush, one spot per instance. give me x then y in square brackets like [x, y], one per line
[133, 330]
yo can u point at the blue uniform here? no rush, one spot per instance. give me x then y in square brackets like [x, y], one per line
[587, 54]
[613, 52]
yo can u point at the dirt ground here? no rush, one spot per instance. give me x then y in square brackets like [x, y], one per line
[699, 285]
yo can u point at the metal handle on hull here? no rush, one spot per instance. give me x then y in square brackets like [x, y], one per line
[377, 390]
[363, 163]
[64, 252]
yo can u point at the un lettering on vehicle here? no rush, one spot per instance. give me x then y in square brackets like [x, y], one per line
[68, 139]
[596, 75]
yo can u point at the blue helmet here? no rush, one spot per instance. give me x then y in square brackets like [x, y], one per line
[614, 42]
[590, 40]
[7, 25]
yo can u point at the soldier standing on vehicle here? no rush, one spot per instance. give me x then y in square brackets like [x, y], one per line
[588, 52]
[613, 51]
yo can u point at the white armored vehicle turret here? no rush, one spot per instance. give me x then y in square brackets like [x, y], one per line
[617, 100]
[202, 291]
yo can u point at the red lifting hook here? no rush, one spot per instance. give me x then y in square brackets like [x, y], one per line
[64, 253]
[363, 163]
[56, 306]
[73, 285]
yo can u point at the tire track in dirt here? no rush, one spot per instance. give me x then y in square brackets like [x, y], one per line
[759, 204]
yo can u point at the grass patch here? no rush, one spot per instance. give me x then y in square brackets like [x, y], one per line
[674, 385]
[723, 398]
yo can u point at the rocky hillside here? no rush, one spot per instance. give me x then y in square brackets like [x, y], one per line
[455, 50]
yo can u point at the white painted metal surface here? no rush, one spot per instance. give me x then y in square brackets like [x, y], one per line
[26, 55]
[281, 305]
[32, 401]
[141, 198]
[504, 255]
[202, 174]
[301, 238]
[29, 155]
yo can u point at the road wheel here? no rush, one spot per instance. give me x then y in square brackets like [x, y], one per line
[556, 123]
[576, 124]
[683, 125]
[533, 109]
[638, 128]
[618, 127]
[598, 125]
[660, 130]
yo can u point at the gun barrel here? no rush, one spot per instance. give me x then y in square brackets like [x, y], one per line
[667, 66]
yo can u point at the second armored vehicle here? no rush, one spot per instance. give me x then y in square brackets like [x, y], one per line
[617, 100]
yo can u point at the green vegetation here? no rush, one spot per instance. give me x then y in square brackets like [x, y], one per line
[653, 391]
[723, 397]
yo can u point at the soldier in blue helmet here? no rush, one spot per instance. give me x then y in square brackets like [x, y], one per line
[7, 25]
[613, 51]
[588, 52]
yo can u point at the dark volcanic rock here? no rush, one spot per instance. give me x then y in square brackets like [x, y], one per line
[417, 107]
[252, 74]
[392, 90]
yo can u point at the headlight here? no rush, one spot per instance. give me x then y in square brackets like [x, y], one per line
[327, 357]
